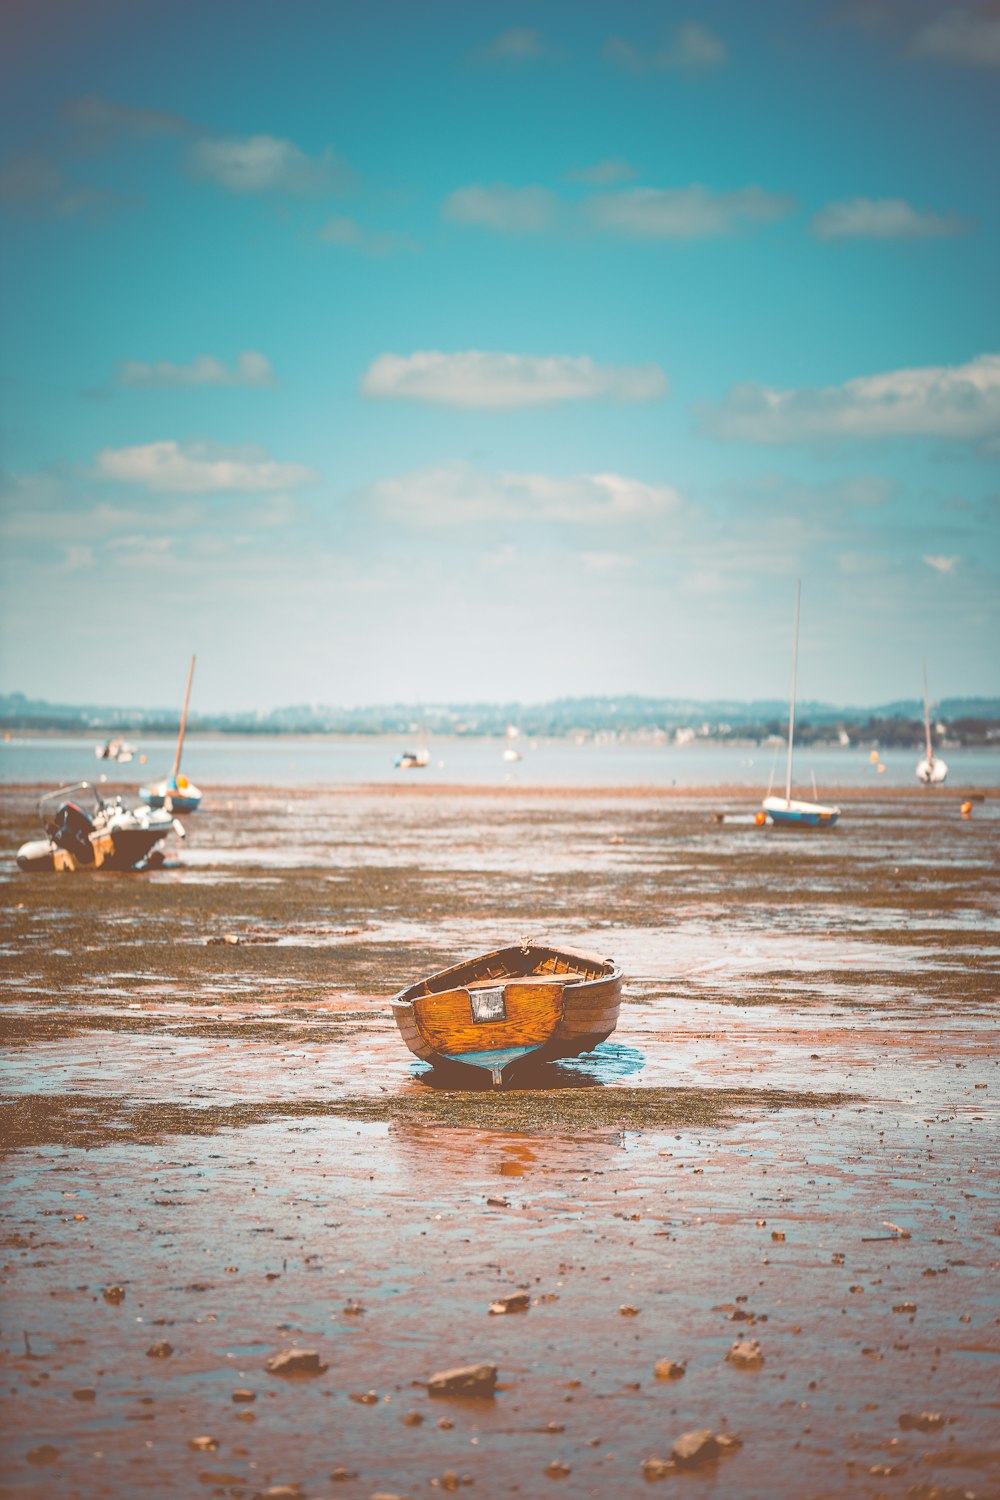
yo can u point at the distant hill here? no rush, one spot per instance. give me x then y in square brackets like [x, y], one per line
[966, 720]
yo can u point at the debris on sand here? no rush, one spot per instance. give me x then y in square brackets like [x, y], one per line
[926, 1421]
[203, 1444]
[669, 1369]
[113, 1295]
[557, 1470]
[160, 1350]
[746, 1355]
[465, 1380]
[905, 1307]
[296, 1362]
[244, 1396]
[515, 1303]
[628, 1311]
[364, 1398]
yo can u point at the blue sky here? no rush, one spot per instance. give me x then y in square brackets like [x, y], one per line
[443, 351]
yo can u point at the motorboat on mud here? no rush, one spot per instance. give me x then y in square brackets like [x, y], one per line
[84, 831]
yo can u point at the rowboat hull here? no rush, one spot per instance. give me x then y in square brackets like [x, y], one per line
[493, 1012]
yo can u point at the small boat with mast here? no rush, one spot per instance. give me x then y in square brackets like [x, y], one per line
[932, 770]
[531, 1000]
[175, 792]
[785, 812]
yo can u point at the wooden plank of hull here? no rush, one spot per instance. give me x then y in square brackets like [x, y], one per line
[411, 1036]
[532, 1013]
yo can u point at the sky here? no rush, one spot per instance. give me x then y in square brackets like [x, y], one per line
[436, 352]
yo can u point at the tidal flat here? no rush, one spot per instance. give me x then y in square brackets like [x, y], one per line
[216, 1147]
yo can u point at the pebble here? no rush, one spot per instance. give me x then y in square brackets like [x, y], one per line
[413, 1418]
[557, 1470]
[364, 1398]
[905, 1307]
[464, 1380]
[160, 1350]
[746, 1354]
[658, 1468]
[517, 1302]
[85, 1393]
[296, 1362]
[695, 1448]
[244, 1395]
[114, 1295]
[669, 1369]
[203, 1444]
[340, 1474]
[628, 1311]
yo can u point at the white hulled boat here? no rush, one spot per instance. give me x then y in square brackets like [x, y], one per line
[786, 811]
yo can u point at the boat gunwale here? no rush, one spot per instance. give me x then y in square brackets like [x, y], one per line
[459, 976]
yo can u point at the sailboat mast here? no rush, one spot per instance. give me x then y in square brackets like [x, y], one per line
[184, 717]
[927, 717]
[791, 702]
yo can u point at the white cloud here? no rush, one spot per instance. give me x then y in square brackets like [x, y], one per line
[484, 380]
[250, 369]
[519, 44]
[33, 183]
[350, 235]
[268, 164]
[692, 49]
[98, 122]
[199, 469]
[959, 402]
[683, 213]
[511, 210]
[942, 564]
[689, 213]
[604, 173]
[967, 36]
[884, 219]
[456, 492]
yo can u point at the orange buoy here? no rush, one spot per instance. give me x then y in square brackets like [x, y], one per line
[966, 809]
[874, 757]
[880, 768]
[760, 819]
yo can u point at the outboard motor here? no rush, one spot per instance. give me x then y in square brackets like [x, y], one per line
[70, 828]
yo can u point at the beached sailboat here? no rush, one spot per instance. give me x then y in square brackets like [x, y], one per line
[784, 812]
[175, 792]
[83, 831]
[531, 1000]
[932, 770]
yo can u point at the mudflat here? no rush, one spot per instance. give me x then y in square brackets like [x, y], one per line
[765, 1209]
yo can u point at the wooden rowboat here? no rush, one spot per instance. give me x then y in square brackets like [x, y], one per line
[531, 1000]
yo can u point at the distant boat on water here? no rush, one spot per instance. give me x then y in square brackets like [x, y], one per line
[511, 752]
[119, 751]
[175, 792]
[785, 812]
[932, 770]
[415, 760]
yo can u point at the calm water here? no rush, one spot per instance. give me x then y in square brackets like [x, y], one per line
[285, 761]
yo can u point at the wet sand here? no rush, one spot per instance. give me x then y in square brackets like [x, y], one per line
[791, 1138]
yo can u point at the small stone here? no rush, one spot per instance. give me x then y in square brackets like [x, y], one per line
[728, 1442]
[669, 1369]
[85, 1393]
[413, 1418]
[244, 1395]
[695, 1448]
[905, 1307]
[557, 1470]
[628, 1311]
[340, 1474]
[203, 1444]
[45, 1454]
[280, 1492]
[882, 1471]
[160, 1350]
[926, 1421]
[114, 1295]
[761, 1223]
[517, 1302]
[364, 1398]
[856, 1289]
[658, 1468]
[746, 1355]
[464, 1380]
[449, 1480]
[295, 1363]
[498, 1203]
[353, 1310]
[445, 1424]
[777, 1234]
